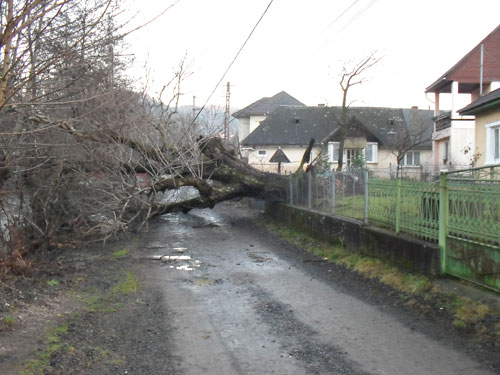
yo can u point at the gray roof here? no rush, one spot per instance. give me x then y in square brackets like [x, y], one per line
[295, 126]
[266, 105]
[484, 103]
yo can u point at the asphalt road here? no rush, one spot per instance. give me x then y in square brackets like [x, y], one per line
[239, 301]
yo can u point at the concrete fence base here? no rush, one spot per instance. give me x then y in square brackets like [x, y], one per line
[405, 253]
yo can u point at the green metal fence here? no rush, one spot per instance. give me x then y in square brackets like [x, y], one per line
[469, 237]
[408, 207]
[461, 213]
[382, 198]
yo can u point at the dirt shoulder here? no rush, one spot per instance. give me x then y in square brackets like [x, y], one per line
[84, 311]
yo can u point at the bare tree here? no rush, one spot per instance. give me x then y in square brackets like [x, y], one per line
[350, 77]
[405, 136]
[81, 154]
[57, 66]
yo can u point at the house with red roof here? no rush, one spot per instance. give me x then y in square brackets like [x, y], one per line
[476, 74]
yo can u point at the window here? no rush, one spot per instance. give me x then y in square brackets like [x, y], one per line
[353, 156]
[371, 151]
[261, 153]
[412, 158]
[493, 143]
[446, 147]
[333, 152]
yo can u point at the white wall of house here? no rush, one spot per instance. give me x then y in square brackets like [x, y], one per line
[243, 128]
[255, 121]
[385, 159]
[259, 158]
[450, 144]
[246, 126]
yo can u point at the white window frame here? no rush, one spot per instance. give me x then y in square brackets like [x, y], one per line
[374, 146]
[263, 155]
[412, 152]
[491, 129]
[332, 148]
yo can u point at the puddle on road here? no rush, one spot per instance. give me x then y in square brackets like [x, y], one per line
[178, 262]
[260, 259]
[206, 282]
[171, 258]
[195, 219]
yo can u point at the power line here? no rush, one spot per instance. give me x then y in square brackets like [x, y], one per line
[352, 19]
[341, 14]
[232, 62]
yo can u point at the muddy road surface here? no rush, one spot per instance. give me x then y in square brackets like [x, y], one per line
[241, 301]
[211, 292]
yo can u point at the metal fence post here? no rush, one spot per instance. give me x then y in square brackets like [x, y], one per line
[365, 175]
[291, 189]
[398, 205]
[332, 191]
[309, 190]
[444, 207]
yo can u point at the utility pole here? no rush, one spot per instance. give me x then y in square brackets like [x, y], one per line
[226, 113]
[194, 106]
[481, 72]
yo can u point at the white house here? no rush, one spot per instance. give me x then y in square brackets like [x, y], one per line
[375, 134]
[250, 117]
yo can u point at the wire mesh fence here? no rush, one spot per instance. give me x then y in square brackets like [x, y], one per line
[339, 193]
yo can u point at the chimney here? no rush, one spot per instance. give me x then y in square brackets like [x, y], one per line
[321, 105]
[414, 107]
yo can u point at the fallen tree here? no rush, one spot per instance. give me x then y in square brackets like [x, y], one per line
[75, 137]
[225, 177]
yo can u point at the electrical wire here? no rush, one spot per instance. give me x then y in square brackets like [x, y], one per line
[351, 20]
[232, 62]
[341, 14]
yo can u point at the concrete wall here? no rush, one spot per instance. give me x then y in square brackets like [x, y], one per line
[405, 253]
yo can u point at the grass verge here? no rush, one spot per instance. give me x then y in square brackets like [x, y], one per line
[96, 301]
[467, 314]
[120, 253]
[52, 343]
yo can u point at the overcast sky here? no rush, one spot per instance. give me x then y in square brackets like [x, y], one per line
[300, 46]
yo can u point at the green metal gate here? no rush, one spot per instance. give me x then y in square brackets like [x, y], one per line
[469, 225]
